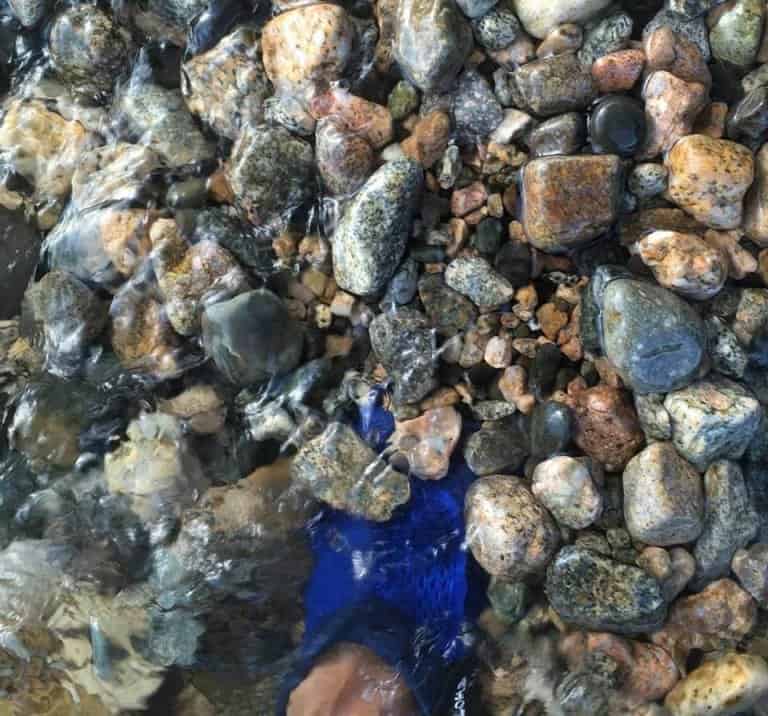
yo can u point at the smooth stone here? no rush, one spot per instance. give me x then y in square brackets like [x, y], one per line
[540, 17]
[692, 8]
[565, 134]
[751, 568]
[551, 428]
[432, 40]
[653, 417]
[403, 100]
[428, 441]
[509, 600]
[676, 54]
[403, 286]
[663, 498]
[19, 253]
[711, 419]
[609, 34]
[748, 120]
[340, 469]
[251, 337]
[730, 522]
[617, 126]
[654, 339]
[488, 236]
[756, 203]
[735, 37]
[271, 173]
[553, 85]
[755, 79]
[371, 237]
[565, 487]
[594, 592]
[344, 160]
[404, 343]
[498, 28]
[509, 533]
[567, 201]
[591, 324]
[449, 312]
[564, 38]
[542, 373]
[693, 29]
[476, 111]
[648, 180]
[476, 279]
[513, 262]
[476, 8]
[728, 355]
[500, 447]
[618, 71]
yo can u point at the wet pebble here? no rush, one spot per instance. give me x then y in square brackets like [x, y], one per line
[617, 126]
[344, 160]
[476, 279]
[756, 203]
[751, 568]
[618, 71]
[476, 111]
[565, 487]
[737, 31]
[609, 34]
[693, 29]
[565, 134]
[427, 442]
[498, 28]
[551, 428]
[648, 180]
[540, 18]
[495, 448]
[449, 312]
[19, 256]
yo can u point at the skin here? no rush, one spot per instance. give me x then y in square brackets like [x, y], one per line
[350, 680]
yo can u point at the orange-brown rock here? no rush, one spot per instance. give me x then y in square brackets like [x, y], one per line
[756, 203]
[667, 50]
[618, 71]
[569, 200]
[428, 441]
[711, 121]
[366, 119]
[428, 139]
[607, 428]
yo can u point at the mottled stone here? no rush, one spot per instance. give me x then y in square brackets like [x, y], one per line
[673, 569]
[607, 428]
[429, 139]
[595, 592]
[618, 71]
[708, 178]
[568, 201]
[727, 354]
[736, 34]
[711, 419]
[432, 40]
[29, 12]
[647, 180]
[553, 85]
[498, 28]
[428, 441]
[370, 239]
[565, 487]
[251, 337]
[751, 568]
[654, 339]
[340, 469]
[565, 134]
[609, 34]
[756, 203]
[663, 499]
[227, 86]
[200, 407]
[449, 312]
[564, 38]
[747, 120]
[371, 121]
[19, 254]
[509, 533]
[684, 263]
[499, 447]
[730, 522]
[405, 344]
[476, 111]
[693, 29]
[271, 173]
[674, 53]
[344, 160]
[723, 686]
[541, 17]
[475, 278]
[671, 108]
[476, 8]
[313, 42]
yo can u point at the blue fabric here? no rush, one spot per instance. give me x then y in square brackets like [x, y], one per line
[413, 568]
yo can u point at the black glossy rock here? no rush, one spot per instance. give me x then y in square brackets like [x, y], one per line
[487, 237]
[551, 428]
[617, 126]
[19, 252]
[543, 371]
[565, 134]
[498, 448]
[513, 262]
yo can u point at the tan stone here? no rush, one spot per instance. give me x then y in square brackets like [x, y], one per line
[466, 200]
[740, 262]
[200, 407]
[708, 179]
[618, 71]
[756, 203]
[667, 50]
[513, 383]
[498, 352]
[428, 442]
[564, 38]
[428, 139]
[711, 121]
[551, 319]
[371, 121]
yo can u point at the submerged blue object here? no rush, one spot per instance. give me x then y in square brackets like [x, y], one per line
[400, 587]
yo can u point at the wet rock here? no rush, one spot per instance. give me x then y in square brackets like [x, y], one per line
[405, 344]
[674, 53]
[735, 37]
[756, 203]
[403, 286]
[564, 38]
[569, 200]
[648, 180]
[168, 19]
[344, 160]
[432, 40]
[606, 426]
[476, 110]
[653, 416]
[508, 599]
[654, 339]
[227, 87]
[513, 262]
[200, 407]
[728, 355]
[271, 173]
[312, 42]
[708, 178]
[62, 317]
[565, 487]
[609, 34]
[751, 314]
[475, 8]
[751, 568]
[449, 312]
[594, 592]
[540, 18]
[154, 468]
[371, 237]
[748, 120]
[565, 134]
[427, 442]
[338, 468]
[617, 126]
[711, 419]
[618, 71]
[552, 426]
[88, 49]
[44, 148]
[19, 254]
[496, 448]
[553, 85]
[251, 337]
[429, 139]
[693, 29]
[543, 370]
[403, 100]
[663, 499]
[509, 533]
[671, 108]
[368, 120]
[730, 684]
[475, 278]
[192, 276]
[730, 522]
[498, 28]
[158, 117]
[29, 12]
[673, 569]
[684, 263]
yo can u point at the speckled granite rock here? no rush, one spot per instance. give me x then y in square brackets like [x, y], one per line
[735, 37]
[475, 278]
